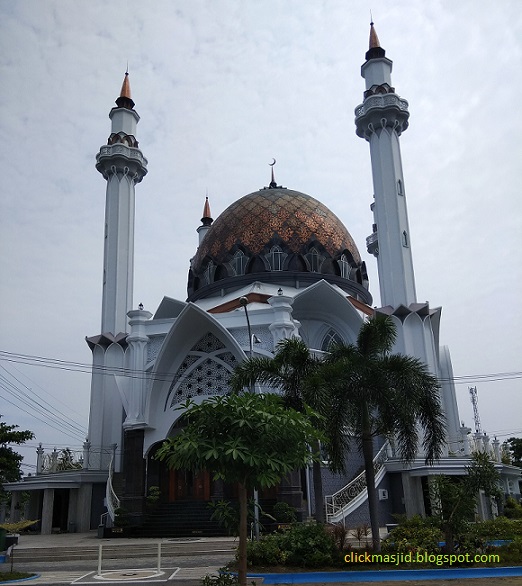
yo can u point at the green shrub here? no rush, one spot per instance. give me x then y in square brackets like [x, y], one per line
[414, 534]
[499, 528]
[512, 509]
[284, 513]
[121, 518]
[153, 498]
[306, 545]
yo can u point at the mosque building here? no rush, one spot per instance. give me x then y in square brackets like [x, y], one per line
[276, 263]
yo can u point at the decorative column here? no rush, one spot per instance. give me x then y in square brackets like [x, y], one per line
[283, 326]
[496, 450]
[137, 341]
[86, 454]
[39, 459]
[47, 511]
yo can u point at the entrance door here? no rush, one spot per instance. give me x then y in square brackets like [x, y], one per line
[189, 485]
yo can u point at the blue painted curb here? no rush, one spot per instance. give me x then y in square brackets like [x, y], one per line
[391, 575]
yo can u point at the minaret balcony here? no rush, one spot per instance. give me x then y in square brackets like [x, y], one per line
[372, 244]
[379, 111]
[120, 155]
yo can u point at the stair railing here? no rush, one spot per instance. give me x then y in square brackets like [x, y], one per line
[355, 489]
[111, 498]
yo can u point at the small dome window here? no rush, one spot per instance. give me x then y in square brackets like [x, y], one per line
[239, 262]
[344, 266]
[276, 258]
[208, 275]
[314, 260]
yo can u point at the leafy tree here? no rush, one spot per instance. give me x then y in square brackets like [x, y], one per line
[66, 460]
[376, 393]
[514, 448]
[455, 497]
[248, 439]
[10, 461]
[287, 371]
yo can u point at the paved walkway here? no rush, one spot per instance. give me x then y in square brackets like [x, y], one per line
[194, 558]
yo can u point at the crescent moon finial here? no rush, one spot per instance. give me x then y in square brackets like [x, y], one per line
[273, 184]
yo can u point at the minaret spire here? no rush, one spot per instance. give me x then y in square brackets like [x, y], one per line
[206, 221]
[375, 50]
[125, 100]
[381, 119]
[122, 165]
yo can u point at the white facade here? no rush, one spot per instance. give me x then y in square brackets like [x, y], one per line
[302, 275]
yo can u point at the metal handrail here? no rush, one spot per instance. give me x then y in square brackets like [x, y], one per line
[112, 500]
[339, 500]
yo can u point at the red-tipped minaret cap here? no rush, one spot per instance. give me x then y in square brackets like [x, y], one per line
[375, 50]
[206, 220]
[125, 100]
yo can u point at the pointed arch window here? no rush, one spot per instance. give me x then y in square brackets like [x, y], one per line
[276, 258]
[344, 266]
[239, 262]
[314, 259]
[208, 275]
[405, 241]
[331, 337]
[400, 189]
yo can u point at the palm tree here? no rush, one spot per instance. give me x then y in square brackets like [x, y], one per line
[382, 394]
[287, 371]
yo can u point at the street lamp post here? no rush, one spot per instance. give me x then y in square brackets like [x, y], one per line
[244, 302]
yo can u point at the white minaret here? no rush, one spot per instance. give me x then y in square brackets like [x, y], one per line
[123, 165]
[380, 119]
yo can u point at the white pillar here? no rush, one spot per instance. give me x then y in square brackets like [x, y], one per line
[47, 511]
[137, 341]
[283, 326]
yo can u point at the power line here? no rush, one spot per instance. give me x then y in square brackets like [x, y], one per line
[157, 376]
[46, 407]
[36, 407]
[44, 390]
[45, 421]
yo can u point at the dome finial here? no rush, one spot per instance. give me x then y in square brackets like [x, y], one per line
[125, 100]
[273, 184]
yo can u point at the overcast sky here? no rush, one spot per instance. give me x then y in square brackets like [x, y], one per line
[222, 86]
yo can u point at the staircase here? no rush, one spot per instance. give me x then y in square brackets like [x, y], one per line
[345, 501]
[181, 519]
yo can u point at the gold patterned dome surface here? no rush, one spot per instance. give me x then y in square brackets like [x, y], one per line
[263, 217]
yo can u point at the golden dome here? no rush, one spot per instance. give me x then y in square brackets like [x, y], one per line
[296, 223]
